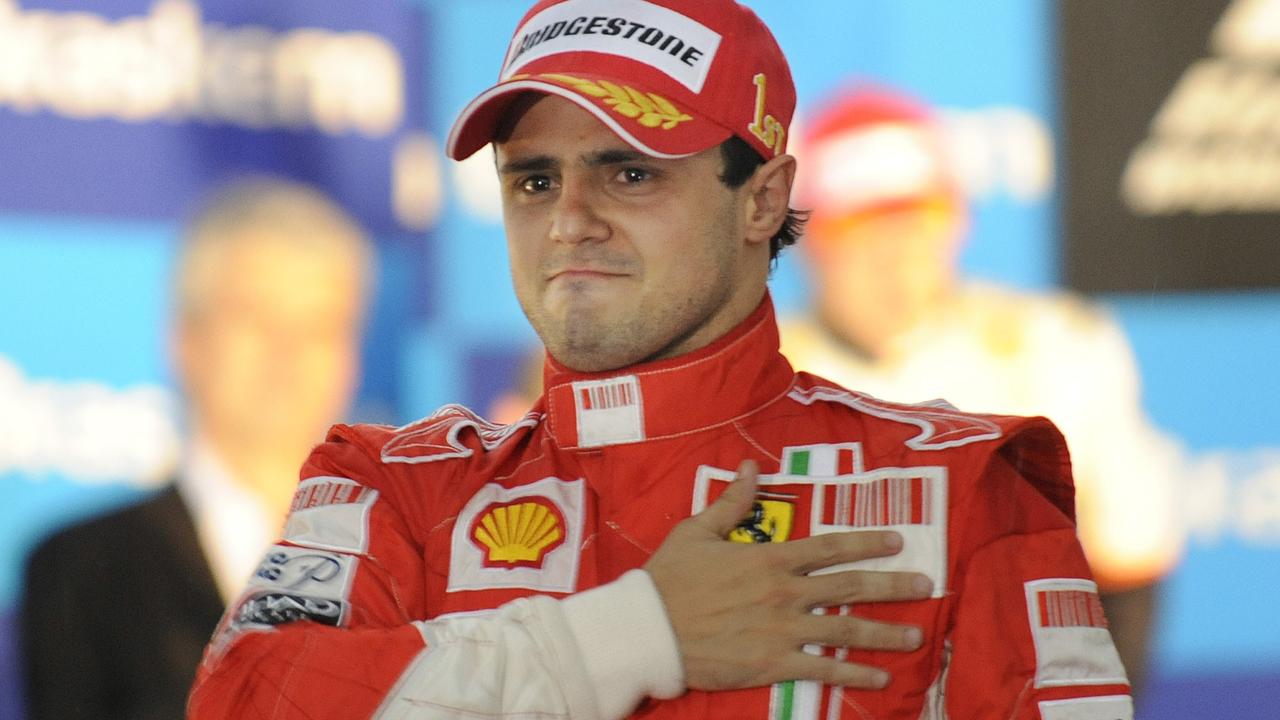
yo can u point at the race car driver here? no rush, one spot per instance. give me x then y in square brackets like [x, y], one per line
[600, 558]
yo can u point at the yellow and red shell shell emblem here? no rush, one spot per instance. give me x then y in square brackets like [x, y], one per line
[519, 533]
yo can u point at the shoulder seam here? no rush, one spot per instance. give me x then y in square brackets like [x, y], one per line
[941, 425]
[422, 437]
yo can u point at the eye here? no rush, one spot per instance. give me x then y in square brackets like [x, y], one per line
[634, 175]
[535, 184]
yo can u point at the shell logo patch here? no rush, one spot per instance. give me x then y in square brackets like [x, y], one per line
[518, 534]
[526, 536]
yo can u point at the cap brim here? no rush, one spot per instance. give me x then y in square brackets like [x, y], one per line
[649, 123]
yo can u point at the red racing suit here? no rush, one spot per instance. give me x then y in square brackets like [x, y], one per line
[456, 568]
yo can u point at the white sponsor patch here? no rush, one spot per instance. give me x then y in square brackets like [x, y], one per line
[293, 584]
[331, 513]
[1073, 645]
[668, 41]
[522, 537]
[910, 501]
[1111, 707]
[609, 411]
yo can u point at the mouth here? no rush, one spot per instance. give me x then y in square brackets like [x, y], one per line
[584, 273]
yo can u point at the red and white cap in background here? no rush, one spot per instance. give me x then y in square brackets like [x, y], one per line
[670, 77]
[870, 148]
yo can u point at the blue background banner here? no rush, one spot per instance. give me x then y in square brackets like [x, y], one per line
[131, 109]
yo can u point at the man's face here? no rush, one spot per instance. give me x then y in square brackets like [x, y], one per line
[270, 358]
[887, 267]
[618, 257]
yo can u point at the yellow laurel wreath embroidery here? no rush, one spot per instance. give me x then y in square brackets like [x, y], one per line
[648, 109]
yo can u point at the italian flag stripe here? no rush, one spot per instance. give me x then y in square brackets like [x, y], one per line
[783, 700]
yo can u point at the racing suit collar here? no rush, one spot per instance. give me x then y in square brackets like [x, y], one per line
[732, 377]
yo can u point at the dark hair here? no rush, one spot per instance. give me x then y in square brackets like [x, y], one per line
[740, 163]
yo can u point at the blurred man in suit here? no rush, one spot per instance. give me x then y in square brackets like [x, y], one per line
[269, 298]
[893, 317]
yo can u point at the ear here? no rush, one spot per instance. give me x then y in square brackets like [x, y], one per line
[768, 197]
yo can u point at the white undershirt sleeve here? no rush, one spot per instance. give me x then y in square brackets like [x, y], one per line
[595, 654]
[627, 643]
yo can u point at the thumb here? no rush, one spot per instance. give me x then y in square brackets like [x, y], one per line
[734, 503]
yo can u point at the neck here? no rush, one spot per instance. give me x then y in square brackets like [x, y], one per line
[708, 387]
[270, 474]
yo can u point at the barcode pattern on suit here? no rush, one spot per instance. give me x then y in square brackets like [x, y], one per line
[887, 501]
[604, 397]
[328, 493]
[1070, 608]
[845, 464]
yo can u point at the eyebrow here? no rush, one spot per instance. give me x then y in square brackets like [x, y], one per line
[615, 157]
[536, 163]
[543, 163]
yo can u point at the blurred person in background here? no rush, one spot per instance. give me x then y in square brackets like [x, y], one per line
[892, 317]
[269, 297]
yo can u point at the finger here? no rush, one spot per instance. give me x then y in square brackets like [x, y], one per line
[855, 633]
[823, 551]
[734, 503]
[854, 586]
[803, 666]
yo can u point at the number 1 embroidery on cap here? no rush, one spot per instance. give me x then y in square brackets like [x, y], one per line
[766, 127]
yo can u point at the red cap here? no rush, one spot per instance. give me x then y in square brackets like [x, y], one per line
[670, 77]
[872, 147]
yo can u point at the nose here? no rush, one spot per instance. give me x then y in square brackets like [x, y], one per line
[576, 218]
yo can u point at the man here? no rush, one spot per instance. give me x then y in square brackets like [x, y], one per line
[550, 569]
[892, 317]
[268, 298]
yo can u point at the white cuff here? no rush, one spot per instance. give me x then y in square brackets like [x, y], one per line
[627, 643]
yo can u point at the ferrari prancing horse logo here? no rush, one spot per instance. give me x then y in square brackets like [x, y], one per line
[770, 520]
